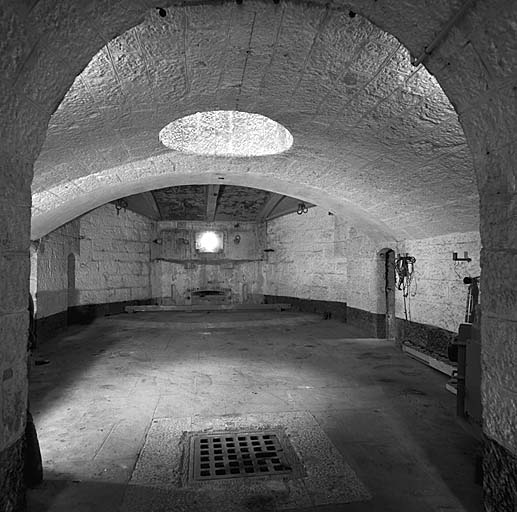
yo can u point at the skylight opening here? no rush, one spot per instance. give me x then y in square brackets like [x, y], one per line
[227, 133]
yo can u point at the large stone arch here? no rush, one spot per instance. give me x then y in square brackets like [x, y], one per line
[101, 188]
[46, 45]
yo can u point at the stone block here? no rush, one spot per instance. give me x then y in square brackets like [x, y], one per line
[12, 489]
[15, 281]
[498, 283]
[499, 410]
[14, 225]
[499, 477]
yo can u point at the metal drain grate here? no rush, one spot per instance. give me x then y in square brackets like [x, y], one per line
[232, 455]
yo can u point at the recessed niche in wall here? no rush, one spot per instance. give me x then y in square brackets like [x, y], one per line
[209, 241]
[226, 133]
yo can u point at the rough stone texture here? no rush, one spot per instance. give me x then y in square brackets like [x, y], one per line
[44, 46]
[430, 338]
[326, 477]
[322, 257]
[114, 257]
[500, 470]
[52, 253]
[366, 124]
[438, 296]
[178, 269]
[12, 498]
[14, 284]
[111, 263]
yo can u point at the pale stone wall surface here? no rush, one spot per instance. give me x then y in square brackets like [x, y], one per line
[52, 269]
[47, 44]
[438, 295]
[178, 269]
[111, 261]
[321, 257]
[114, 257]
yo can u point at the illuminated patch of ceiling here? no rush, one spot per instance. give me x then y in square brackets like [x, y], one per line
[227, 133]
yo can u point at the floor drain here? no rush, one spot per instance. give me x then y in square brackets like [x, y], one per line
[237, 454]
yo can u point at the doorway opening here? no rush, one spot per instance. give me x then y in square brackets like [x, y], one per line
[388, 257]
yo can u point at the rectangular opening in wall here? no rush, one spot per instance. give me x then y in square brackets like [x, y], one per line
[209, 241]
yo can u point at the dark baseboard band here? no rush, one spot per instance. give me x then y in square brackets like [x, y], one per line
[12, 487]
[433, 340]
[46, 327]
[372, 324]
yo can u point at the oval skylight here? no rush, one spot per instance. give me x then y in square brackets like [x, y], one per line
[226, 133]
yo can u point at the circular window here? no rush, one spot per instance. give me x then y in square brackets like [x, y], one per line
[226, 133]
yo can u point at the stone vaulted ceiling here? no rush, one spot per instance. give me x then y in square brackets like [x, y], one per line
[374, 138]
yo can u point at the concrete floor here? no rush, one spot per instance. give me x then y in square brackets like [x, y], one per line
[107, 383]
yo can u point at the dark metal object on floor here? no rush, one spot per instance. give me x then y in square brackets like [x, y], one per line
[237, 454]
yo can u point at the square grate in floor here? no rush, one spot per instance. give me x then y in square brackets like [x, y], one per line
[237, 454]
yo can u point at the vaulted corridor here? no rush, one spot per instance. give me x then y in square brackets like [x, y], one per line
[353, 159]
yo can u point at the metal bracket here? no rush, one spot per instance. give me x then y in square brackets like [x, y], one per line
[465, 257]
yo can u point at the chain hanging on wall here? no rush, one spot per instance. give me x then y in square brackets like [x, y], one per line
[404, 270]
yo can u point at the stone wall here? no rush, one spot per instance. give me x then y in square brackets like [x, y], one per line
[100, 258]
[179, 270]
[52, 253]
[437, 300]
[321, 257]
[113, 263]
[439, 293]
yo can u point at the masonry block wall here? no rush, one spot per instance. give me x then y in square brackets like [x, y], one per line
[179, 271]
[100, 258]
[437, 300]
[114, 257]
[321, 257]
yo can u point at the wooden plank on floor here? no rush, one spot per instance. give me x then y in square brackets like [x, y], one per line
[431, 361]
[211, 307]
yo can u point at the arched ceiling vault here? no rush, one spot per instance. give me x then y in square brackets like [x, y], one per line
[374, 138]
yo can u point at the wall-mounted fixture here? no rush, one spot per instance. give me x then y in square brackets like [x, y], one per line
[237, 239]
[119, 204]
[302, 208]
[158, 241]
[404, 270]
[465, 257]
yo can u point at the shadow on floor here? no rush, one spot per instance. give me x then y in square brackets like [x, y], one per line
[389, 416]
